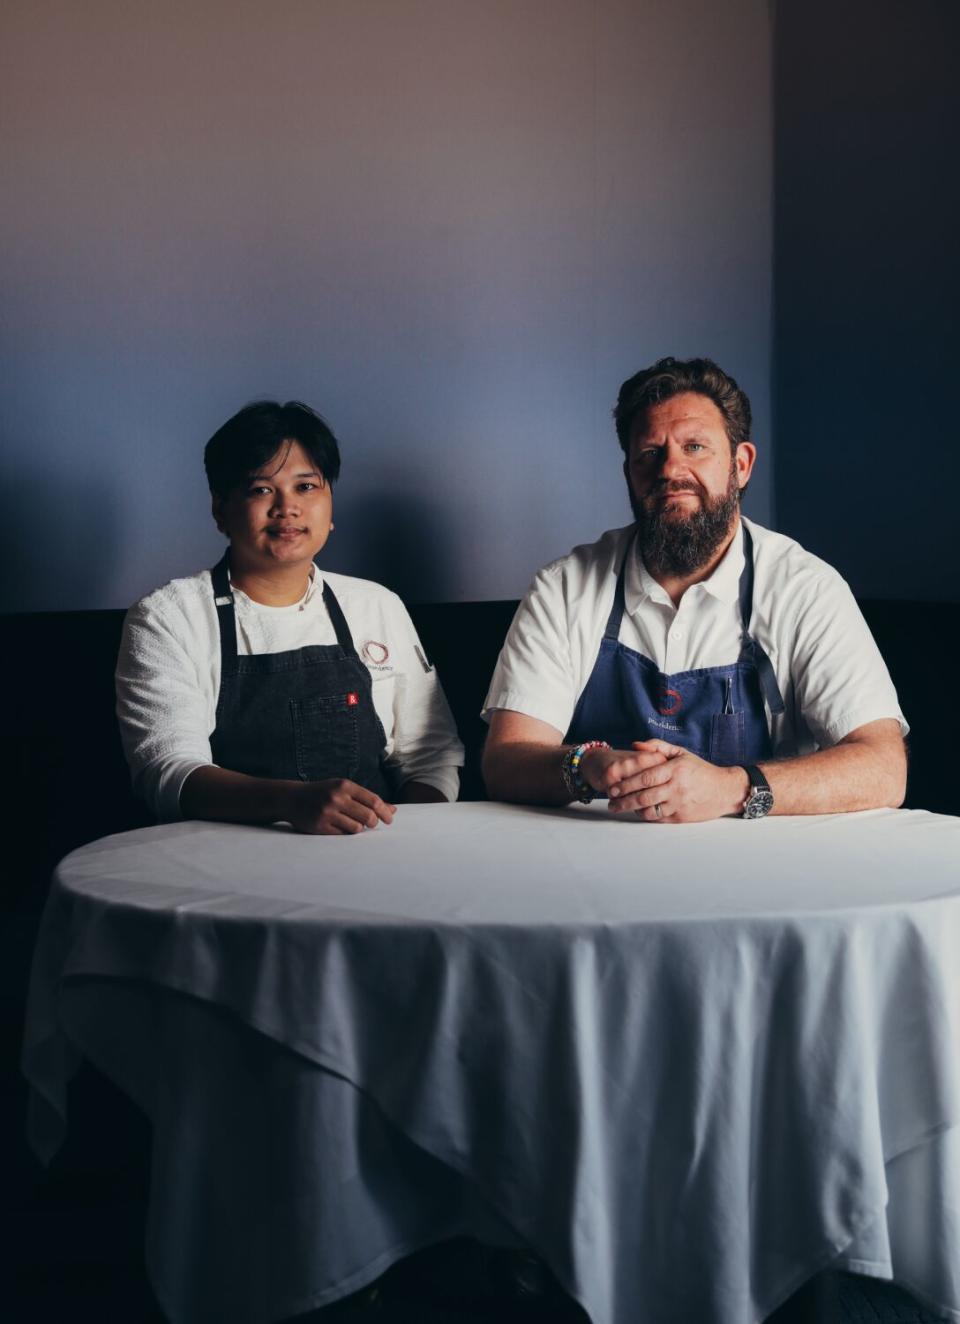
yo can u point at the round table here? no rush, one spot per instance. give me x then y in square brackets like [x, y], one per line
[688, 1065]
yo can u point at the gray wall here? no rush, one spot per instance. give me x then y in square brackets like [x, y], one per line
[454, 226]
[867, 226]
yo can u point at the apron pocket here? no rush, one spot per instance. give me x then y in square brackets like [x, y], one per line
[326, 736]
[726, 739]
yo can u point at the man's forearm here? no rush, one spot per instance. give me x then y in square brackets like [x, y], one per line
[525, 773]
[849, 776]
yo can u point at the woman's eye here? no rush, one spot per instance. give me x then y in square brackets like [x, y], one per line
[258, 491]
[307, 487]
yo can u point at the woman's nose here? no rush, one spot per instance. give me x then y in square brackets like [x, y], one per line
[284, 503]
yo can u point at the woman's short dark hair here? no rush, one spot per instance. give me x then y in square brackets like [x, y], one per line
[254, 436]
[669, 377]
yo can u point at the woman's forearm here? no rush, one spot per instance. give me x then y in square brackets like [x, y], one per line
[233, 797]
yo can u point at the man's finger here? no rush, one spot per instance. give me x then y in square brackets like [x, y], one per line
[656, 813]
[649, 805]
[642, 802]
[629, 766]
[660, 746]
[658, 775]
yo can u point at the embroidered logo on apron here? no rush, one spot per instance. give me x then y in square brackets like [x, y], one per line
[671, 701]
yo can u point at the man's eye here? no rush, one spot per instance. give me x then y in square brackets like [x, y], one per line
[258, 491]
[307, 487]
[694, 446]
[645, 456]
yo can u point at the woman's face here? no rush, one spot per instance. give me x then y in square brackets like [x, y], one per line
[280, 517]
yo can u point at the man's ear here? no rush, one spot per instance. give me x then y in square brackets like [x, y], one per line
[744, 460]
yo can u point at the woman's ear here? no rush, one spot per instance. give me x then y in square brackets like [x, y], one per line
[216, 505]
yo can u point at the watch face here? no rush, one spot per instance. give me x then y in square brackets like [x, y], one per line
[759, 803]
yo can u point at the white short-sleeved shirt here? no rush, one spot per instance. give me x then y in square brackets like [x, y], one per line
[168, 679]
[829, 669]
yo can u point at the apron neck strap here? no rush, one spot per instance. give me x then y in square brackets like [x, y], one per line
[337, 619]
[750, 649]
[746, 580]
[226, 619]
[612, 629]
[226, 615]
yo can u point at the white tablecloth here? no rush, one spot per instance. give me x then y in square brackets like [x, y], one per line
[689, 1066]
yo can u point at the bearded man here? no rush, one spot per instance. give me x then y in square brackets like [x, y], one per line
[693, 664]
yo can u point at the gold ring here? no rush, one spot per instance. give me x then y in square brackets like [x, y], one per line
[658, 811]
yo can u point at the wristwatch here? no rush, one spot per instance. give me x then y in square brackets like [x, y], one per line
[759, 800]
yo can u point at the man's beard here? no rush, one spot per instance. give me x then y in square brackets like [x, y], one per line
[680, 545]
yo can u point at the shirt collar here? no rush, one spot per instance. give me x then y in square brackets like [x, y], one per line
[723, 583]
[316, 584]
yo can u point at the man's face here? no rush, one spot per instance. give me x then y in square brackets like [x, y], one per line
[684, 483]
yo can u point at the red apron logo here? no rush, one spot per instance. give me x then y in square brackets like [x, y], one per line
[671, 701]
[375, 652]
[353, 700]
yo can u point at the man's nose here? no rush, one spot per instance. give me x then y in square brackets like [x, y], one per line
[672, 461]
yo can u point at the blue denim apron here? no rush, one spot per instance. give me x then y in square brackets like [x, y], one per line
[716, 712]
[302, 715]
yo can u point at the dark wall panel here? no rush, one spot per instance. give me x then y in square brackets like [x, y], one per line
[867, 224]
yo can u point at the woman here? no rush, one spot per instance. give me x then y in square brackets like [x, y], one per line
[240, 692]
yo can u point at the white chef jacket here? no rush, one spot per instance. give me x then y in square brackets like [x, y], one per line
[829, 669]
[168, 679]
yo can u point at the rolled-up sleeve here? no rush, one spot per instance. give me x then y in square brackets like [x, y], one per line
[164, 708]
[534, 674]
[840, 679]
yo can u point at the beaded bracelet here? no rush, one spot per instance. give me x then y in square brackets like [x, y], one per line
[577, 788]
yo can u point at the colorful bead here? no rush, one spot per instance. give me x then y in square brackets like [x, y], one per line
[577, 788]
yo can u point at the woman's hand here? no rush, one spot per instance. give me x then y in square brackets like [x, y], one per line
[336, 807]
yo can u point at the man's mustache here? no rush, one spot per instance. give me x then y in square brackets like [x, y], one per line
[668, 488]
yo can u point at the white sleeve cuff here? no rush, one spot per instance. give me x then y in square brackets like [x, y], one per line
[445, 779]
[850, 721]
[553, 714]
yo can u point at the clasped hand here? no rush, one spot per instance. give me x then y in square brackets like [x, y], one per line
[652, 773]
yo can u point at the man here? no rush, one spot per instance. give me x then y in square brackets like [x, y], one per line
[693, 664]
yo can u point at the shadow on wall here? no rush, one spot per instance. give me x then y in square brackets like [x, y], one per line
[408, 544]
[59, 541]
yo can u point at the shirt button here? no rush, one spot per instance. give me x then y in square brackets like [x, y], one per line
[676, 634]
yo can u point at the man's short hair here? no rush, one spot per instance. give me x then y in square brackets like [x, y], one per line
[669, 377]
[252, 437]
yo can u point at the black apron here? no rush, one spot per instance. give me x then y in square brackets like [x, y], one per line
[304, 715]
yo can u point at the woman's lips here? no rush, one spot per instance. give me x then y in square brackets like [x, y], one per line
[285, 534]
